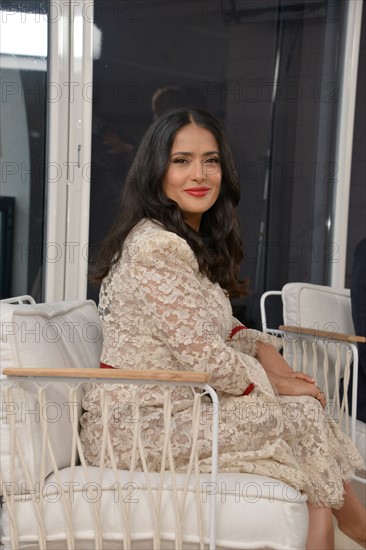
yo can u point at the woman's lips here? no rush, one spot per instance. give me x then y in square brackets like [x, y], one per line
[197, 191]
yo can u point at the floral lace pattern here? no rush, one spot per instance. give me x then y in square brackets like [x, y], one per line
[159, 312]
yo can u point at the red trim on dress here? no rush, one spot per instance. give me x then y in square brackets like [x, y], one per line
[236, 329]
[104, 366]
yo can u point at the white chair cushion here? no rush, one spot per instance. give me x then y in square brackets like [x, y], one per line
[58, 335]
[252, 512]
[318, 307]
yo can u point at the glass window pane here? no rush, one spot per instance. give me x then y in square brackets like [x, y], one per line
[23, 81]
[268, 71]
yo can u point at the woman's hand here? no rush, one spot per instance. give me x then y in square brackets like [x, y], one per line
[296, 383]
[283, 378]
[271, 360]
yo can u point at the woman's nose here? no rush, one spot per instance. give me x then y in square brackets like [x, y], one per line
[198, 171]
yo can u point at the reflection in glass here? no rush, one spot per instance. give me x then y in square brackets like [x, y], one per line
[23, 80]
[268, 71]
[7, 205]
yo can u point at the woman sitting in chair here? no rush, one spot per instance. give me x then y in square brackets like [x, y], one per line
[168, 268]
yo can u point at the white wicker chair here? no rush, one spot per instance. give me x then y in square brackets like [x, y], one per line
[53, 500]
[319, 339]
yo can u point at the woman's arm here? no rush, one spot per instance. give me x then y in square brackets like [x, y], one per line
[166, 281]
[264, 347]
[271, 360]
[281, 375]
[168, 287]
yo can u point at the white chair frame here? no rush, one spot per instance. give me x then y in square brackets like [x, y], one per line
[346, 342]
[73, 378]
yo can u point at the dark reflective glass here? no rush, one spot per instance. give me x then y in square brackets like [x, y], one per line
[23, 85]
[269, 72]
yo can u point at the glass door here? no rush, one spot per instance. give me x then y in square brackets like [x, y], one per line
[271, 72]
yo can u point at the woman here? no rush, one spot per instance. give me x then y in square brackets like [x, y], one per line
[168, 268]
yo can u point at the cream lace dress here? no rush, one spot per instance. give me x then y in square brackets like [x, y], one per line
[159, 312]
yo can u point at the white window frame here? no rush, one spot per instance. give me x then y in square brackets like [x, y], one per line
[344, 140]
[69, 149]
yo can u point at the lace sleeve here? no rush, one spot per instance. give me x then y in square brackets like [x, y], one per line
[168, 286]
[246, 340]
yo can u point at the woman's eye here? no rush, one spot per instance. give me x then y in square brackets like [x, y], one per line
[213, 160]
[180, 161]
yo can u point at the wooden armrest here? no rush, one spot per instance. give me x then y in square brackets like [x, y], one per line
[327, 334]
[112, 374]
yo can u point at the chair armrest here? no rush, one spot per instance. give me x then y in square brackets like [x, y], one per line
[112, 374]
[44, 438]
[328, 334]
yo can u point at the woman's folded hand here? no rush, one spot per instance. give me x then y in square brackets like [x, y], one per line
[296, 383]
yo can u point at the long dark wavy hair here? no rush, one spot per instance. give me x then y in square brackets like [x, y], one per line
[217, 246]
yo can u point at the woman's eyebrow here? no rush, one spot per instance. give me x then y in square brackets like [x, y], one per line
[187, 153]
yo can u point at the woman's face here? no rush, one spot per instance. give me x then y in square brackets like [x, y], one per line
[193, 179]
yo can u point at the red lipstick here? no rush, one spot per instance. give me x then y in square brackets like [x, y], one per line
[197, 191]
